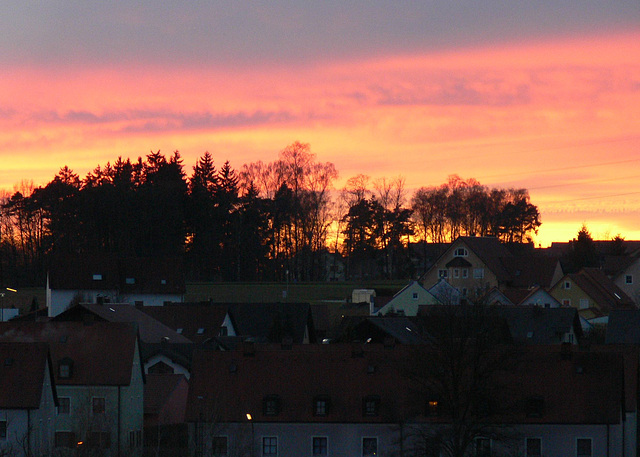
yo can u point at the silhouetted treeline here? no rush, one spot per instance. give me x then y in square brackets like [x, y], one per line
[267, 221]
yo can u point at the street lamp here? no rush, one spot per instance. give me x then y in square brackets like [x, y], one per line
[253, 444]
[2, 294]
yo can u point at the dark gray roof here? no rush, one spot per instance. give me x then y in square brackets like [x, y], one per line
[623, 327]
[536, 325]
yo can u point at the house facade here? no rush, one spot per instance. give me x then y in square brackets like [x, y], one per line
[561, 403]
[100, 383]
[27, 400]
[408, 300]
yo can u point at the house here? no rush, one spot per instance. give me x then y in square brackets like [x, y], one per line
[624, 270]
[475, 265]
[99, 378]
[28, 399]
[406, 301]
[108, 279]
[537, 325]
[592, 293]
[162, 349]
[555, 402]
[536, 296]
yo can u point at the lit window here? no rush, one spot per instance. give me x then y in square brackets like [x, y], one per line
[270, 445]
[433, 408]
[442, 274]
[320, 446]
[369, 447]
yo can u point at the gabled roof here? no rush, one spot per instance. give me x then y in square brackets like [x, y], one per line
[159, 388]
[490, 250]
[224, 383]
[101, 352]
[615, 265]
[604, 292]
[575, 387]
[22, 373]
[196, 321]
[528, 271]
[273, 321]
[536, 325]
[132, 275]
[151, 330]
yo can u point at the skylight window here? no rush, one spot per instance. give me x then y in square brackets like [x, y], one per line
[97, 277]
[200, 330]
[130, 280]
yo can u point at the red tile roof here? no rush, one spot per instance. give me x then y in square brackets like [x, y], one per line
[576, 387]
[102, 352]
[22, 374]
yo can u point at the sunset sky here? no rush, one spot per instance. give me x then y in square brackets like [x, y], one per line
[543, 95]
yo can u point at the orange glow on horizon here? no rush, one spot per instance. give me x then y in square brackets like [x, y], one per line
[558, 118]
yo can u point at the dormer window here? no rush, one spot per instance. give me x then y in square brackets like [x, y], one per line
[321, 405]
[371, 405]
[65, 368]
[271, 405]
[460, 252]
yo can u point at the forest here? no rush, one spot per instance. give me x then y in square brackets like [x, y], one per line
[275, 221]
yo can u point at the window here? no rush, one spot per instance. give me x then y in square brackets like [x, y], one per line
[179, 330]
[101, 440]
[369, 447]
[98, 405]
[567, 285]
[443, 274]
[200, 331]
[65, 439]
[321, 406]
[583, 447]
[219, 446]
[628, 279]
[224, 330]
[566, 302]
[64, 405]
[320, 446]
[460, 252]
[3, 430]
[415, 295]
[97, 277]
[482, 447]
[584, 303]
[65, 368]
[478, 273]
[456, 272]
[269, 445]
[533, 447]
[371, 405]
[433, 408]
[135, 439]
[465, 273]
[271, 405]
